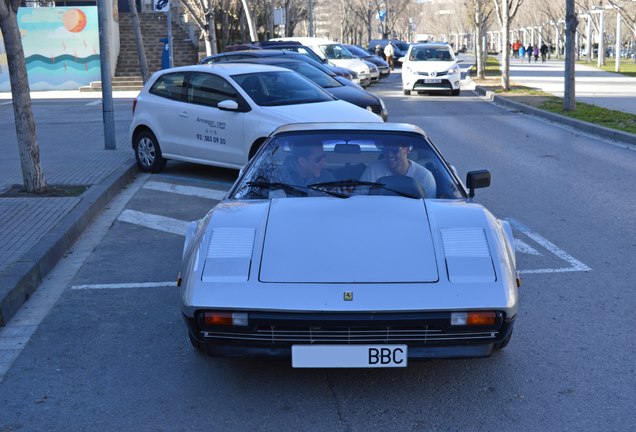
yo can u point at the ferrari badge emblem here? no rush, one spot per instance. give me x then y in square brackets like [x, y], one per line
[348, 296]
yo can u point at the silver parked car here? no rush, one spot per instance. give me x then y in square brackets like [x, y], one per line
[350, 245]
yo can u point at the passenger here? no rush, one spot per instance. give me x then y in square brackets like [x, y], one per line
[305, 165]
[396, 162]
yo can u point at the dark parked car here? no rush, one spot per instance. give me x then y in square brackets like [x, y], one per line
[356, 96]
[294, 47]
[399, 47]
[261, 53]
[381, 64]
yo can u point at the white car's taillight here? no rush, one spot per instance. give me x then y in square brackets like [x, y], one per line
[134, 105]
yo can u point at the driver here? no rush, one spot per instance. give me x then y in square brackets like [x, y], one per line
[396, 162]
[305, 165]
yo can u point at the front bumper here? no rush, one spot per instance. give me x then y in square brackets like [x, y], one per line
[417, 82]
[427, 334]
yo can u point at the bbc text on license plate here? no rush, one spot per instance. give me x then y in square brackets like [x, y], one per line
[349, 356]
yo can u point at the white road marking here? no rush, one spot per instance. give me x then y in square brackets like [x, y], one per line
[161, 223]
[186, 190]
[96, 102]
[523, 247]
[126, 285]
[6, 103]
[575, 265]
[16, 334]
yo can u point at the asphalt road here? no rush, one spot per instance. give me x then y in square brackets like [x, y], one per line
[113, 353]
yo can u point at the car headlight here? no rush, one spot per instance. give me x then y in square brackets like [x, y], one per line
[453, 70]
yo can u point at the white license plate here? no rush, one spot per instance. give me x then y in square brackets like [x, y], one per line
[349, 356]
[433, 81]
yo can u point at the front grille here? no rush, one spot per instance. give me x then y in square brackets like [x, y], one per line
[377, 109]
[420, 84]
[283, 329]
[341, 335]
[437, 74]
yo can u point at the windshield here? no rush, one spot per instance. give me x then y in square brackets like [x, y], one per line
[336, 52]
[344, 163]
[357, 51]
[428, 53]
[280, 88]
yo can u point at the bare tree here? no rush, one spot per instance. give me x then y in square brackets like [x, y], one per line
[506, 12]
[628, 14]
[32, 174]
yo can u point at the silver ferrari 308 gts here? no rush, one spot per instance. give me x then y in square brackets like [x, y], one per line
[350, 245]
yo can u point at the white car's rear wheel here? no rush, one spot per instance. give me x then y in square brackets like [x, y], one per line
[406, 92]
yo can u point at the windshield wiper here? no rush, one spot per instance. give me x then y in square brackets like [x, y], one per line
[345, 183]
[295, 190]
[355, 183]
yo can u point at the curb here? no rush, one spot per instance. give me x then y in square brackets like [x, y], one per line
[21, 280]
[601, 131]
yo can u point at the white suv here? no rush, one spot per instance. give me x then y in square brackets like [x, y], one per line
[430, 67]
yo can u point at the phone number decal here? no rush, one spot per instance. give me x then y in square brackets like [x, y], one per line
[212, 139]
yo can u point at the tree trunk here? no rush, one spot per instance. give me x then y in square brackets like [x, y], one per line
[505, 54]
[212, 32]
[248, 18]
[141, 52]
[32, 174]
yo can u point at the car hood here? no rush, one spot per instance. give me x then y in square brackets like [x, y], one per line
[354, 64]
[302, 253]
[326, 241]
[353, 95]
[331, 111]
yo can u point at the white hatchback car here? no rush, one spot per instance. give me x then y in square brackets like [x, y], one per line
[430, 67]
[220, 114]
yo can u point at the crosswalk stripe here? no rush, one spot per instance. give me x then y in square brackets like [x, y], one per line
[185, 190]
[161, 223]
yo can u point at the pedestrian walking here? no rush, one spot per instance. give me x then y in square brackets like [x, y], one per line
[544, 52]
[535, 53]
[529, 53]
[389, 52]
[522, 52]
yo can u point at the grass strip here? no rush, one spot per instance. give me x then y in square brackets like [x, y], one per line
[612, 119]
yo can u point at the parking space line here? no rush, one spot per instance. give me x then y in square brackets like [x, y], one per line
[575, 265]
[185, 190]
[6, 103]
[161, 223]
[96, 102]
[126, 285]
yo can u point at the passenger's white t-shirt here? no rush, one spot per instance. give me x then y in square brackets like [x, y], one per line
[423, 176]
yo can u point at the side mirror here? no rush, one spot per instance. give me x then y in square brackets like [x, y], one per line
[476, 180]
[228, 105]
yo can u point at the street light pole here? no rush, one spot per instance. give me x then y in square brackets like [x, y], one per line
[103, 18]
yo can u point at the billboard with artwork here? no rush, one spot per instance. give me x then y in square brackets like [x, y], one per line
[61, 48]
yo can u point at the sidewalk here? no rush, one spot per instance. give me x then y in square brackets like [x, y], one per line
[35, 232]
[593, 86]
